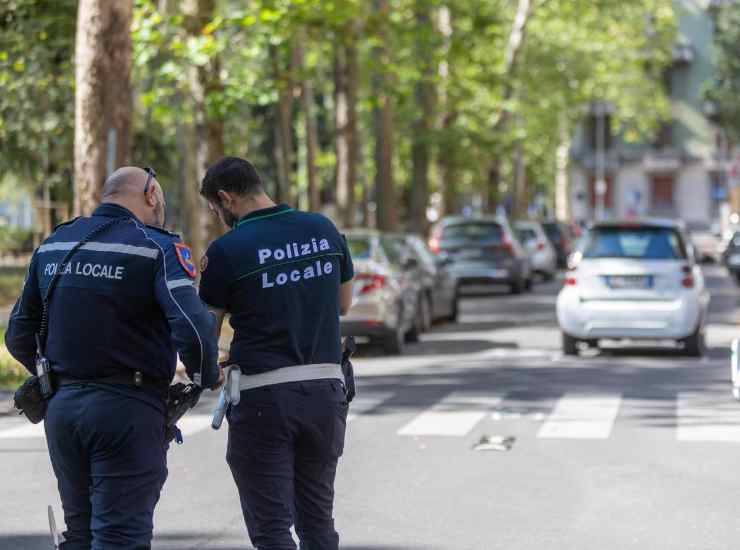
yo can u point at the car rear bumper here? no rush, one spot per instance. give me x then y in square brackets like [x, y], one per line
[634, 319]
[471, 274]
[368, 328]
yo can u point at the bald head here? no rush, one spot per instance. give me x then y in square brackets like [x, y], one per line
[125, 187]
[124, 181]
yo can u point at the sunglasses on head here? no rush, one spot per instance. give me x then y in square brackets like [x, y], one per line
[150, 174]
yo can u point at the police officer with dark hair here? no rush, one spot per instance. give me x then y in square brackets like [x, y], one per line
[123, 301]
[284, 277]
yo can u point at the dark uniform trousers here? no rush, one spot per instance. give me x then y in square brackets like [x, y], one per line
[284, 445]
[108, 452]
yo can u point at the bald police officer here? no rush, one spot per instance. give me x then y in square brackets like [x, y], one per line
[284, 277]
[123, 302]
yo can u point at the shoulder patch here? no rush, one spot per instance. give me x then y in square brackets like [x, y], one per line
[203, 263]
[185, 256]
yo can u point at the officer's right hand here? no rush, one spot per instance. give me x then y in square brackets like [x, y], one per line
[221, 379]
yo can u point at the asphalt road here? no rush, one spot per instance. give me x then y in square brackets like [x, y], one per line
[618, 449]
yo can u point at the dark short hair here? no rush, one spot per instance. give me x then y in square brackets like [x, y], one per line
[231, 174]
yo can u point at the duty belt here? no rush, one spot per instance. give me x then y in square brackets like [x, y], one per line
[236, 382]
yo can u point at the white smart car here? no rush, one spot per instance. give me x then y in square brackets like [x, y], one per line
[633, 280]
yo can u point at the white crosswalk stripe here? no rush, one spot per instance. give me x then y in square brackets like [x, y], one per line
[706, 417]
[699, 417]
[23, 430]
[365, 403]
[582, 417]
[455, 415]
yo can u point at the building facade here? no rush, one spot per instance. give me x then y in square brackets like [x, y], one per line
[681, 174]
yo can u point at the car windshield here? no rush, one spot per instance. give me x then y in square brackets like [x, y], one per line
[474, 231]
[359, 247]
[644, 243]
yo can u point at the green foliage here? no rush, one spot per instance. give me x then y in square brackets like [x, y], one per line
[12, 373]
[574, 52]
[15, 239]
[37, 83]
[725, 91]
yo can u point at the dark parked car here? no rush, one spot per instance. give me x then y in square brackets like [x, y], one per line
[438, 298]
[561, 236]
[731, 256]
[482, 250]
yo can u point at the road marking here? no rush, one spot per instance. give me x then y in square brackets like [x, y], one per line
[26, 430]
[455, 415]
[191, 424]
[577, 416]
[702, 417]
[364, 404]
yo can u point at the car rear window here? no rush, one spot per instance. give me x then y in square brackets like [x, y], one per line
[394, 249]
[359, 247]
[474, 231]
[552, 230]
[526, 234]
[642, 242]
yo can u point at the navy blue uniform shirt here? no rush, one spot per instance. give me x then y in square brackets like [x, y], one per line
[278, 273]
[124, 302]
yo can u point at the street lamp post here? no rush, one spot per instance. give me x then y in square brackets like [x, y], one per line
[600, 185]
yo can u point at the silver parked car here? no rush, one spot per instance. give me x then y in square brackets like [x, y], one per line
[482, 250]
[385, 293]
[542, 254]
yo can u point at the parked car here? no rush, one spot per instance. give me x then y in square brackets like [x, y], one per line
[731, 257]
[438, 298]
[385, 291]
[634, 280]
[707, 243]
[542, 255]
[561, 236]
[482, 251]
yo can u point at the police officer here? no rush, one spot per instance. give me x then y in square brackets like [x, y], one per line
[284, 277]
[123, 302]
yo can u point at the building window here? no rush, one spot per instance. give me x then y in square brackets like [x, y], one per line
[661, 194]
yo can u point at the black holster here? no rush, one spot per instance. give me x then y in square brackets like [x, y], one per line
[348, 370]
[180, 399]
[30, 400]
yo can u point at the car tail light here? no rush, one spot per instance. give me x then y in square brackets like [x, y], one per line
[688, 278]
[540, 246]
[370, 282]
[507, 245]
[434, 244]
[570, 280]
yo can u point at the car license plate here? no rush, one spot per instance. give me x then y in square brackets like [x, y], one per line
[470, 253]
[734, 259]
[630, 282]
[499, 273]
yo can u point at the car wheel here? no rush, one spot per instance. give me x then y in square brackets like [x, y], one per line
[528, 284]
[393, 342]
[547, 276]
[694, 345]
[425, 313]
[454, 309]
[516, 287]
[737, 277]
[570, 345]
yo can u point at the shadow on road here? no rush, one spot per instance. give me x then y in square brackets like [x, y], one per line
[167, 541]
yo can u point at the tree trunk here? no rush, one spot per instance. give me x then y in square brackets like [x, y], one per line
[308, 101]
[562, 194]
[206, 137]
[520, 192]
[387, 213]
[345, 120]
[284, 116]
[447, 160]
[423, 126]
[103, 96]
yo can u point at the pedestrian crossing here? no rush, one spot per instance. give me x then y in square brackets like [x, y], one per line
[694, 417]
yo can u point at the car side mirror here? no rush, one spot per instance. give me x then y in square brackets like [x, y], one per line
[410, 263]
[442, 259]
